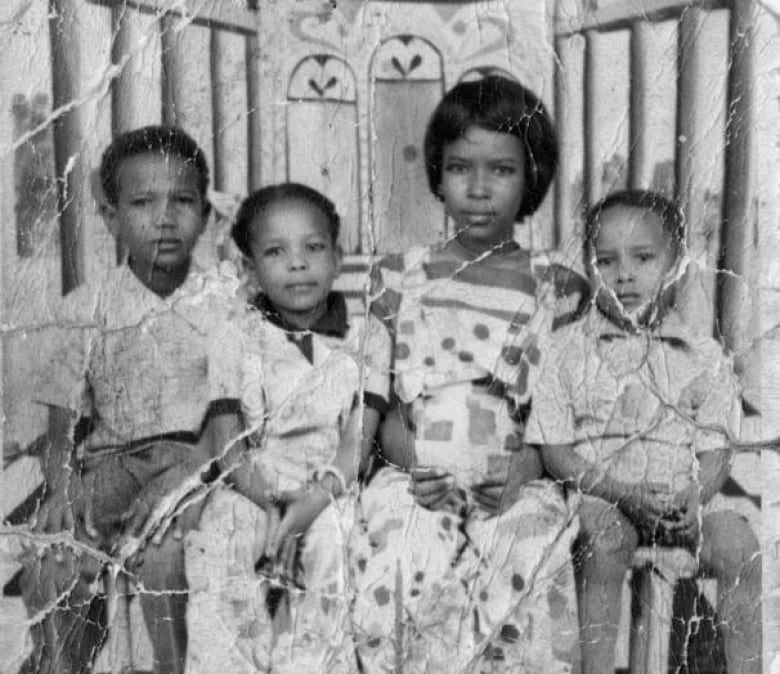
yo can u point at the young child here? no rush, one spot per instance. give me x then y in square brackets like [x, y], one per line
[309, 383]
[463, 557]
[129, 362]
[635, 415]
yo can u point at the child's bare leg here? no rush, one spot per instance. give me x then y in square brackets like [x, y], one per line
[604, 552]
[60, 586]
[164, 603]
[730, 551]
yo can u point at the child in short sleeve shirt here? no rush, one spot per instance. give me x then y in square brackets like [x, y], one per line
[129, 359]
[636, 414]
[309, 382]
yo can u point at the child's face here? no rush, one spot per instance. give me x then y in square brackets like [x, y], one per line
[294, 259]
[160, 212]
[633, 255]
[483, 181]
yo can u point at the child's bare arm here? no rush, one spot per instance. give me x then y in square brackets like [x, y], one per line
[232, 454]
[66, 502]
[501, 491]
[396, 440]
[714, 470]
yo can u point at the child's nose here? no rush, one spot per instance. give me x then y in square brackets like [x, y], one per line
[298, 260]
[478, 186]
[164, 216]
[625, 272]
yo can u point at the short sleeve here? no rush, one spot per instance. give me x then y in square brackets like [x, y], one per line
[386, 283]
[226, 346]
[61, 374]
[551, 419]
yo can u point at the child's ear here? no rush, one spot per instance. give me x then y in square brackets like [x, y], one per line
[205, 215]
[249, 275]
[338, 254]
[104, 208]
[108, 213]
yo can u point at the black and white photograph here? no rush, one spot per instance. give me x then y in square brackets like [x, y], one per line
[390, 336]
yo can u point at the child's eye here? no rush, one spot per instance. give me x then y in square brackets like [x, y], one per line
[504, 170]
[646, 257]
[603, 261]
[140, 202]
[456, 167]
[186, 199]
[274, 251]
[315, 247]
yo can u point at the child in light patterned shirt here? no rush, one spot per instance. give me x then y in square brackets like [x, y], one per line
[635, 414]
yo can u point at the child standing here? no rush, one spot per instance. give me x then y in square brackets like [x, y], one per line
[636, 414]
[312, 389]
[129, 363]
[463, 556]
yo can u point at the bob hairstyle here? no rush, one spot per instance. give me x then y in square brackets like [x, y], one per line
[498, 104]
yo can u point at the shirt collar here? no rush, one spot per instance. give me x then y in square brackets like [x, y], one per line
[671, 330]
[333, 322]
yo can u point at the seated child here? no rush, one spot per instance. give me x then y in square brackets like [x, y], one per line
[130, 360]
[462, 562]
[635, 414]
[308, 383]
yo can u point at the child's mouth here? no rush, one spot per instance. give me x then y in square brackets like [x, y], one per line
[301, 287]
[478, 219]
[168, 245]
[630, 300]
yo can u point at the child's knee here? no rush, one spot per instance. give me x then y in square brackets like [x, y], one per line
[607, 538]
[730, 549]
[57, 573]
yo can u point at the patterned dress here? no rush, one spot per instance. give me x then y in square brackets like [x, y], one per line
[466, 591]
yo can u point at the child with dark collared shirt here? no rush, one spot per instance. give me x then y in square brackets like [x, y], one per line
[312, 387]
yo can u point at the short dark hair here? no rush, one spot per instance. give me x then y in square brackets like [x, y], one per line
[164, 140]
[671, 218]
[496, 103]
[257, 202]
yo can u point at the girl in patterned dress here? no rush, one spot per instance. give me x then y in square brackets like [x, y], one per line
[461, 562]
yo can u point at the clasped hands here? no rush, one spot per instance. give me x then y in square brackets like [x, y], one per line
[436, 489]
[672, 520]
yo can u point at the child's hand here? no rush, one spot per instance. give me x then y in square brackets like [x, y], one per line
[647, 508]
[285, 534]
[682, 526]
[68, 505]
[489, 495]
[152, 498]
[434, 489]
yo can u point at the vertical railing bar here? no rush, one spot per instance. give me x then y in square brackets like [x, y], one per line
[562, 187]
[170, 70]
[688, 68]
[639, 167]
[739, 209]
[590, 174]
[217, 51]
[121, 87]
[65, 55]
[254, 137]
